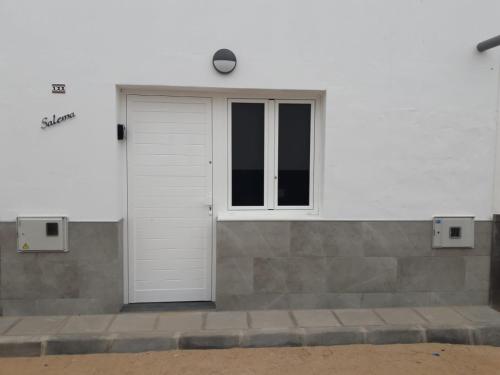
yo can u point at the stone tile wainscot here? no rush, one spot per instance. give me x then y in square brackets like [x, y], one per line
[336, 264]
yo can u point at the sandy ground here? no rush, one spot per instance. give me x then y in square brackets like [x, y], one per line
[428, 359]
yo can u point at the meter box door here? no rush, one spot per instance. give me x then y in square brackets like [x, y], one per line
[42, 234]
[453, 232]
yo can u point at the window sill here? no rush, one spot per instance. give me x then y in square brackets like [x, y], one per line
[268, 216]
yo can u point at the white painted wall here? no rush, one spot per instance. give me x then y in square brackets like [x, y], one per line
[410, 108]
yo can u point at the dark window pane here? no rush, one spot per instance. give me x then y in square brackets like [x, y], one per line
[294, 154]
[247, 142]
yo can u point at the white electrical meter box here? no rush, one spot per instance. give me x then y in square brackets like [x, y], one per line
[453, 232]
[42, 234]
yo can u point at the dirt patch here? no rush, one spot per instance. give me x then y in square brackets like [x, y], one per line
[419, 359]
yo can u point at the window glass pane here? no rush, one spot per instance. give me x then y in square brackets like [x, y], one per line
[294, 152]
[247, 143]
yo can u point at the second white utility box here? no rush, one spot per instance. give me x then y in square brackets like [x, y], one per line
[42, 234]
[453, 232]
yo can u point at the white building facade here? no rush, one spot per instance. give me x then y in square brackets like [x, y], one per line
[308, 177]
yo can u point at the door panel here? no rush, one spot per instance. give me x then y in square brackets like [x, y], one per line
[169, 192]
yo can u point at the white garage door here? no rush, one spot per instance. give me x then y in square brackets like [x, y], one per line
[169, 198]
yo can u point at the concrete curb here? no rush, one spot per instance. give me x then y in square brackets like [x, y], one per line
[25, 346]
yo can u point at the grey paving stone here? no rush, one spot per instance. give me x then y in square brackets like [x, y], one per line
[37, 325]
[399, 316]
[487, 335]
[209, 339]
[261, 338]
[147, 343]
[77, 344]
[334, 336]
[227, 320]
[441, 315]
[270, 319]
[315, 318]
[133, 323]
[86, 324]
[181, 321]
[20, 346]
[358, 317]
[394, 335]
[449, 335]
[6, 323]
[479, 314]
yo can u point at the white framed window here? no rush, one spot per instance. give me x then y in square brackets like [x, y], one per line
[271, 154]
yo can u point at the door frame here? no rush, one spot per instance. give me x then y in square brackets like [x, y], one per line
[122, 115]
[220, 97]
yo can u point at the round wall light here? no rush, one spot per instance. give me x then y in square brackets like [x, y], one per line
[224, 61]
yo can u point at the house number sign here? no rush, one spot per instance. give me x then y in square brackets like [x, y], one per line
[54, 120]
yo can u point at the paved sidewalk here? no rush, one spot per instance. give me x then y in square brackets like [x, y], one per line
[131, 332]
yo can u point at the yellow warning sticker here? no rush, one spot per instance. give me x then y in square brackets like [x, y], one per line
[26, 246]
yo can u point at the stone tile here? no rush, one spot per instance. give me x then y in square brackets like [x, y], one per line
[315, 318]
[86, 324]
[181, 321]
[6, 323]
[227, 320]
[324, 300]
[397, 238]
[265, 239]
[399, 316]
[37, 325]
[479, 314]
[395, 299]
[270, 275]
[477, 273]
[358, 317]
[478, 297]
[441, 315]
[307, 274]
[270, 319]
[134, 323]
[361, 274]
[483, 232]
[326, 238]
[234, 275]
[260, 301]
[64, 283]
[420, 274]
[101, 241]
